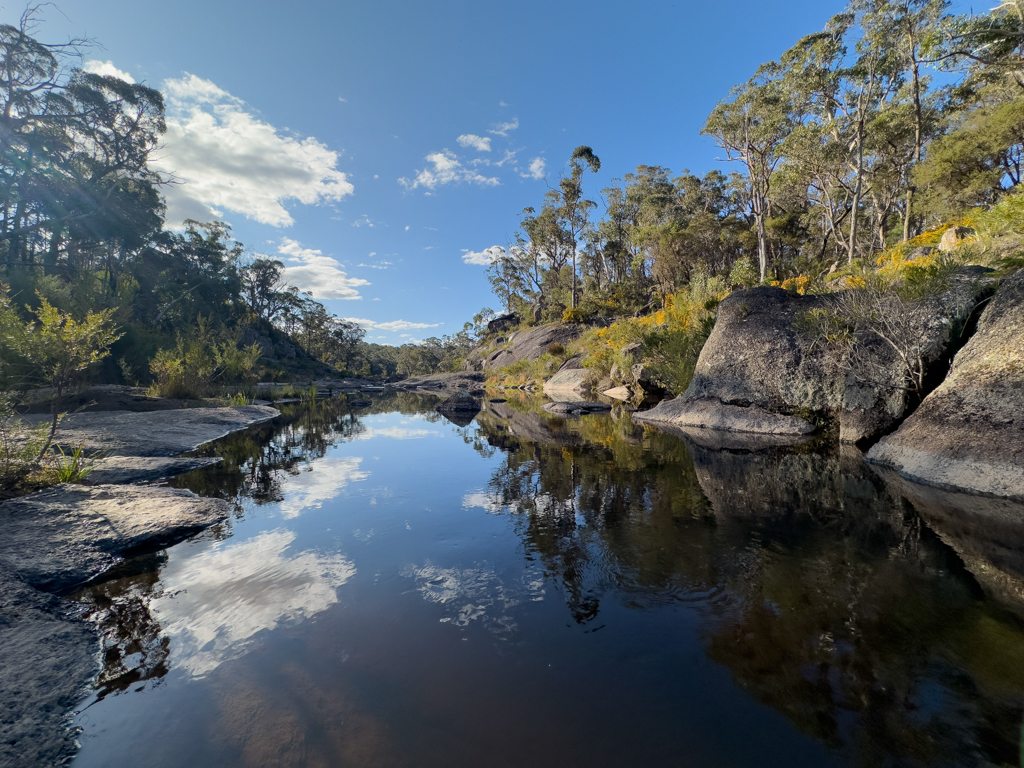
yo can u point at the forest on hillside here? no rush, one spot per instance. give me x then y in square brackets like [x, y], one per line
[900, 118]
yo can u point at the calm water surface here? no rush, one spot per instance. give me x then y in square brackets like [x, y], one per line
[398, 590]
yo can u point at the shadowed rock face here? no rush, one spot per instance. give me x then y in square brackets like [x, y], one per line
[757, 363]
[969, 433]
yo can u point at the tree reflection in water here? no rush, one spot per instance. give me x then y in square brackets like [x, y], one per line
[882, 619]
[822, 587]
[135, 647]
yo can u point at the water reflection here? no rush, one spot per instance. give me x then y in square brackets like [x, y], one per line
[213, 608]
[880, 619]
[827, 594]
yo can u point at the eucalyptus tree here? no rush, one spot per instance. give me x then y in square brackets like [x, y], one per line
[574, 209]
[912, 30]
[751, 126]
[74, 152]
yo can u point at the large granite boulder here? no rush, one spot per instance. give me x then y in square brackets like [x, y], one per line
[759, 360]
[969, 433]
[529, 344]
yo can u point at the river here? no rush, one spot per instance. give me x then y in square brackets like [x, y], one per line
[396, 589]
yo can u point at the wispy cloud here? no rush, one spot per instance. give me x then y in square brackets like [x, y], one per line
[309, 270]
[228, 160]
[479, 143]
[447, 169]
[365, 221]
[503, 129]
[391, 325]
[485, 257]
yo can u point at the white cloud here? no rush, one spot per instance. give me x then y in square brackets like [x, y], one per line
[309, 270]
[536, 169]
[447, 169]
[364, 221]
[502, 104]
[216, 603]
[228, 160]
[485, 257]
[342, 100]
[479, 143]
[108, 69]
[391, 325]
[503, 129]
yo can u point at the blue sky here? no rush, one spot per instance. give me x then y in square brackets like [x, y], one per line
[376, 145]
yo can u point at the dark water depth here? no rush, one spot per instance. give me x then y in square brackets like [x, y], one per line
[394, 589]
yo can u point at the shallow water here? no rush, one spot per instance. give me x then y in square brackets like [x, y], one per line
[396, 590]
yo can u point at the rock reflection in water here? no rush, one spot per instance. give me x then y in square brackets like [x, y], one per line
[880, 619]
[828, 595]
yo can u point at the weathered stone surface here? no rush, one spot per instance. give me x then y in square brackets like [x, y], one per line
[706, 414]
[953, 236]
[252, 336]
[528, 344]
[573, 363]
[571, 381]
[579, 408]
[644, 381]
[64, 536]
[757, 355]
[48, 660]
[503, 323]
[159, 433]
[969, 433]
[103, 397]
[121, 470]
[631, 355]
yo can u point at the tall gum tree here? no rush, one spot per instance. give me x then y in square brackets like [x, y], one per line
[751, 126]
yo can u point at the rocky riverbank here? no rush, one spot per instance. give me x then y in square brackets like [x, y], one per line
[60, 538]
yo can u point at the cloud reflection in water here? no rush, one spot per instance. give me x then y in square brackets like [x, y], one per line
[217, 602]
[311, 488]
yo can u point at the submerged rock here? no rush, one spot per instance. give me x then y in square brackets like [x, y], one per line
[969, 433]
[580, 408]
